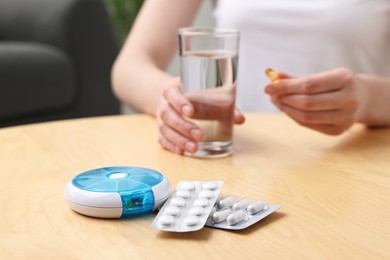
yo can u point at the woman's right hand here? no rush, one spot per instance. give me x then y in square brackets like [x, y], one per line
[177, 134]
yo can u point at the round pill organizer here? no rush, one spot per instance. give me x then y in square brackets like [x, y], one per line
[117, 192]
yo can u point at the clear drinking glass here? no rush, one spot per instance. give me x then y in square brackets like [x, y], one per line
[208, 67]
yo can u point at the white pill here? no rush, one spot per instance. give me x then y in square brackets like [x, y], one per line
[208, 194]
[235, 217]
[166, 220]
[180, 202]
[241, 204]
[186, 185]
[172, 210]
[202, 202]
[209, 186]
[226, 202]
[182, 194]
[256, 206]
[196, 211]
[220, 216]
[191, 221]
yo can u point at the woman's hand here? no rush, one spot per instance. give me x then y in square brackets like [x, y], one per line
[329, 102]
[177, 134]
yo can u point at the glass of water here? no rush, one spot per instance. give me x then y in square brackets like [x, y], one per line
[208, 68]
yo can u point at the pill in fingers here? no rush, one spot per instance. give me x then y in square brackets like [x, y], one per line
[272, 75]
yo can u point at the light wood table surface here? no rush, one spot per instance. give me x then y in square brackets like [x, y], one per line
[334, 191]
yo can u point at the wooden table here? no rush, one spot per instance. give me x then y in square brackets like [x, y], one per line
[334, 191]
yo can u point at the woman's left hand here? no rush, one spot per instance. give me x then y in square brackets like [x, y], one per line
[329, 102]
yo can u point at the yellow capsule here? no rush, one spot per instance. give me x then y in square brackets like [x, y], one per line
[272, 75]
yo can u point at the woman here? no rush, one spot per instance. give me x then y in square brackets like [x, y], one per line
[336, 54]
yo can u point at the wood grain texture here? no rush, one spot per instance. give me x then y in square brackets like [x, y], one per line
[334, 191]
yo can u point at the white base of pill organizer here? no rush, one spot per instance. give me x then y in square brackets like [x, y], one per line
[108, 204]
[99, 212]
[104, 204]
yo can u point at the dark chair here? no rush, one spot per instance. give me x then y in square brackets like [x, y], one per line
[55, 60]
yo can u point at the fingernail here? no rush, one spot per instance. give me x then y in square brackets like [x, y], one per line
[186, 110]
[269, 89]
[196, 134]
[190, 146]
[177, 150]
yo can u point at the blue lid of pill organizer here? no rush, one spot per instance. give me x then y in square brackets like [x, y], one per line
[134, 184]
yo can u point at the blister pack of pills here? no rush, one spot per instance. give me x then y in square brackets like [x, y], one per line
[233, 214]
[188, 207]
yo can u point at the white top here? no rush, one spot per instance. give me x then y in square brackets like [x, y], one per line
[301, 37]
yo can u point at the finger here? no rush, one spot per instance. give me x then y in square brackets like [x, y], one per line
[177, 139]
[173, 142]
[169, 146]
[323, 101]
[328, 129]
[239, 118]
[317, 83]
[283, 75]
[333, 117]
[170, 117]
[174, 97]
[275, 100]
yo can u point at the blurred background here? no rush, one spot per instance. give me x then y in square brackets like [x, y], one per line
[56, 57]
[124, 13]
